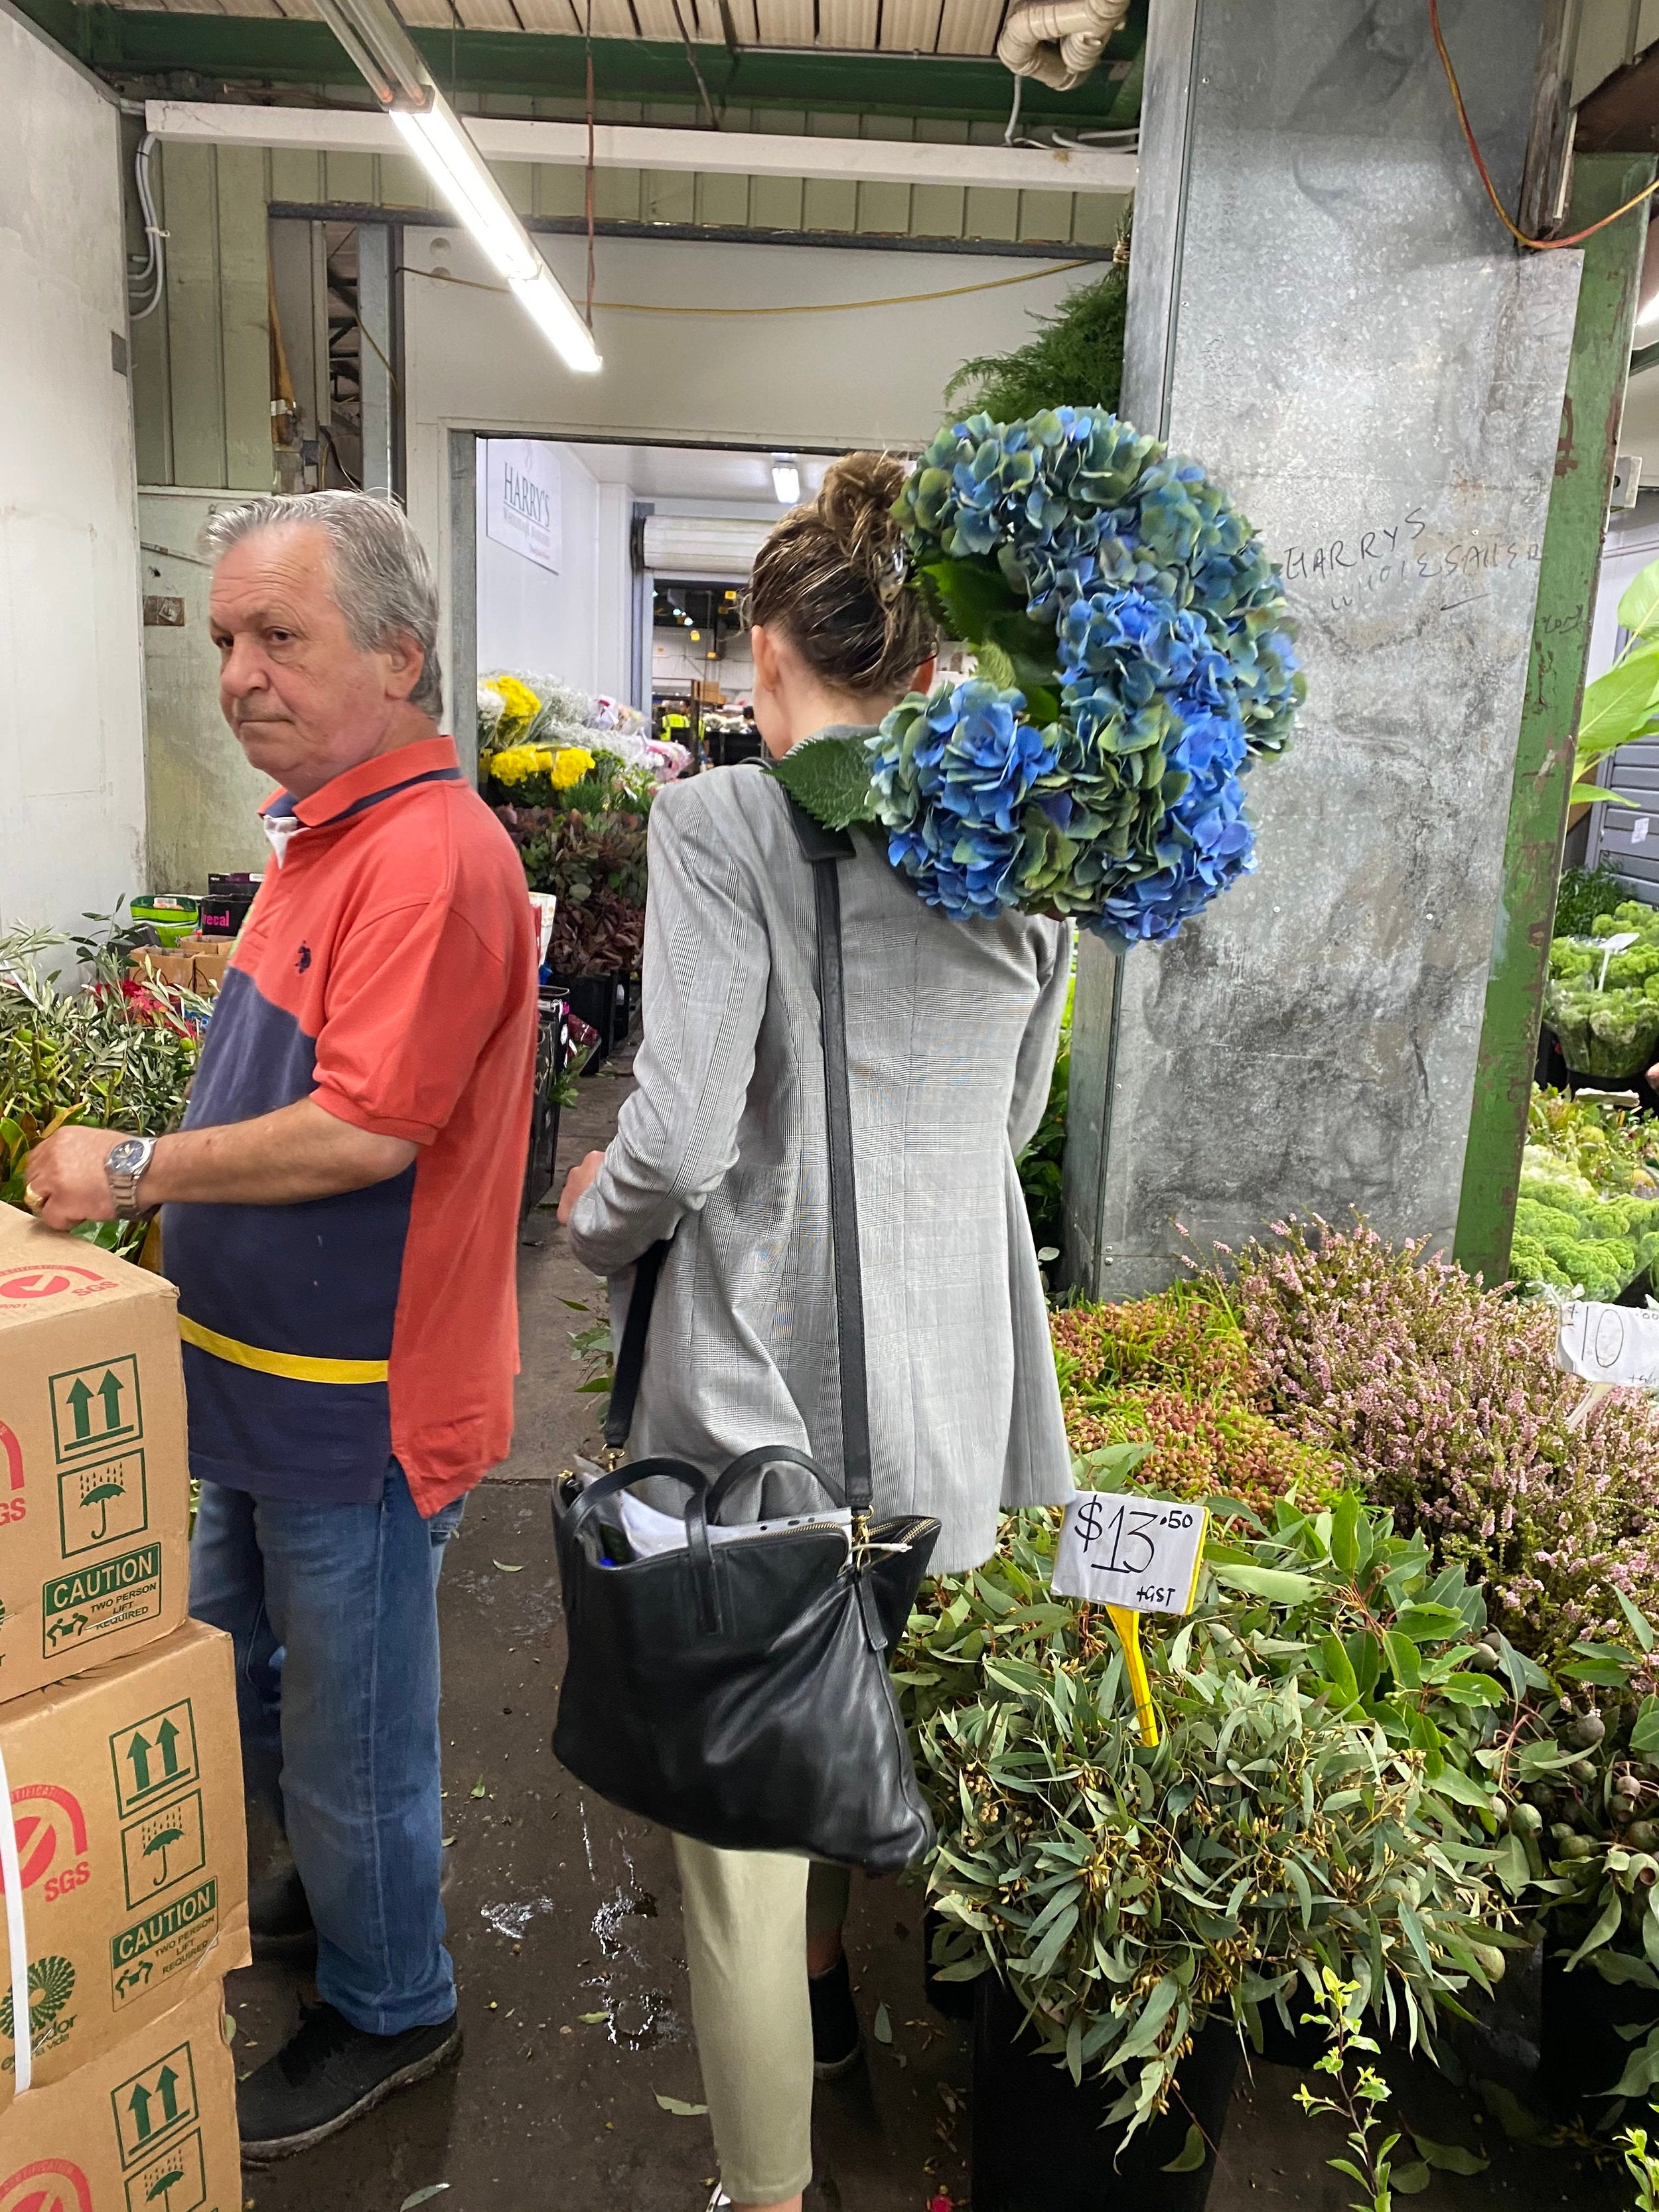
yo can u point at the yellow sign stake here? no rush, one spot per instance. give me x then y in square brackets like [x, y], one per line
[1127, 1624]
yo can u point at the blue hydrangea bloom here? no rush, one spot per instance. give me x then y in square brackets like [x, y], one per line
[1172, 664]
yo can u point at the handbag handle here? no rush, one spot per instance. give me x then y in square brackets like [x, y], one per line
[593, 1494]
[823, 849]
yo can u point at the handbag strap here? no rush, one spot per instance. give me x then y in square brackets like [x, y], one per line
[823, 849]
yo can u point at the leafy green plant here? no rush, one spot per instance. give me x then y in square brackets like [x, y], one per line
[1642, 2164]
[1622, 704]
[1356, 2096]
[1584, 893]
[117, 1053]
[1313, 1802]
[595, 865]
[1075, 360]
[1602, 996]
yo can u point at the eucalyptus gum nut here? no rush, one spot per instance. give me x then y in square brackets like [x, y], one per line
[1562, 1833]
[1642, 1835]
[1493, 1961]
[1578, 1847]
[1588, 1730]
[1526, 1819]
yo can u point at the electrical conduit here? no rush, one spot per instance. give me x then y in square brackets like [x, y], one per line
[1058, 41]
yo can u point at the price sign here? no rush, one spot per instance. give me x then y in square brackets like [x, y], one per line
[1608, 1343]
[1140, 1553]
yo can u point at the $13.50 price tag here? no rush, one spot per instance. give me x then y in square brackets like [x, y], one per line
[1141, 1553]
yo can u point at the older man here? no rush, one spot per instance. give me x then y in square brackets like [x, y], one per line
[340, 1219]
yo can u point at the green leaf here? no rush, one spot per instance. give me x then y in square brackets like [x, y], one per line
[1607, 1925]
[971, 595]
[1428, 1624]
[1617, 704]
[591, 2018]
[1449, 2158]
[679, 2108]
[1345, 1532]
[829, 777]
[424, 2195]
[1272, 1583]
[1592, 794]
[505, 1567]
[1638, 606]
[883, 2025]
[1409, 2180]
[1641, 1627]
[1193, 2152]
[996, 667]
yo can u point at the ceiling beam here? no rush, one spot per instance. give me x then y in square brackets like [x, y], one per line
[627, 146]
[1621, 116]
[192, 55]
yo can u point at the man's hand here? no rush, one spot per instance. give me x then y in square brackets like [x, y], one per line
[65, 1181]
[578, 1179]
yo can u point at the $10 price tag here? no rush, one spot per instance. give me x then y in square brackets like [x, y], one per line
[1141, 1553]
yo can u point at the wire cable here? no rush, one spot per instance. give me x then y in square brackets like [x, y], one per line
[588, 177]
[1537, 245]
[802, 307]
[152, 278]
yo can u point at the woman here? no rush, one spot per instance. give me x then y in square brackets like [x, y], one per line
[951, 1032]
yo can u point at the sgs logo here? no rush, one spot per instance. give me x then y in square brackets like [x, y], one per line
[49, 2185]
[51, 1843]
[13, 1506]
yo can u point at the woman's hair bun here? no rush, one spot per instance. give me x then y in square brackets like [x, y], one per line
[833, 575]
[856, 504]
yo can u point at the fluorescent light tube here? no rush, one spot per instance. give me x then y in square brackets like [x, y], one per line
[786, 481]
[550, 308]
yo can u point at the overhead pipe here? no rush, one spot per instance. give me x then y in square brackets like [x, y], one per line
[1058, 41]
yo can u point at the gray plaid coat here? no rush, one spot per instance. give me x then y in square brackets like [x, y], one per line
[951, 1033]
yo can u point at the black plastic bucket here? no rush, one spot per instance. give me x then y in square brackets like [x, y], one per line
[1041, 2142]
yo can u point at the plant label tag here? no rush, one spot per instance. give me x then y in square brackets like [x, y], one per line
[1140, 1553]
[1639, 830]
[1608, 1343]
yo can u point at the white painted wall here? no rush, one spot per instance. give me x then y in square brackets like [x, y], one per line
[71, 669]
[574, 624]
[873, 376]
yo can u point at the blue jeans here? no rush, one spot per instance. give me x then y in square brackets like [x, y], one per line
[333, 1612]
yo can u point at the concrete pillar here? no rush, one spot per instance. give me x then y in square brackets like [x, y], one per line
[1326, 312]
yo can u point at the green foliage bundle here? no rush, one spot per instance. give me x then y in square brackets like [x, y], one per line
[1569, 1238]
[117, 1053]
[1585, 893]
[1603, 1006]
[595, 865]
[1313, 1804]
[1075, 360]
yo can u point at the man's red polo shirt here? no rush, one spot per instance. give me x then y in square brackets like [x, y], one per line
[388, 971]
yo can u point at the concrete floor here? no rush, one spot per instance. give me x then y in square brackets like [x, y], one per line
[565, 1930]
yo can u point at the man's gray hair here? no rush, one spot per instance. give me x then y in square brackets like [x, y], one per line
[383, 581]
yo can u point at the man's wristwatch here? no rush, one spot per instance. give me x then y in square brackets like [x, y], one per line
[125, 1167]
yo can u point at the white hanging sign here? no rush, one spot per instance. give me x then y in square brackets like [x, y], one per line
[1118, 1548]
[522, 503]
[1608, 1343]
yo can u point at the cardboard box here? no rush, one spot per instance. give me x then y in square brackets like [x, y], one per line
[194, 964]
[94, 1484]
[126, 1798]
[150, 2126]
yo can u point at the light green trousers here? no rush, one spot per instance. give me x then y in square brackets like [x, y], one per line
[747, 1918]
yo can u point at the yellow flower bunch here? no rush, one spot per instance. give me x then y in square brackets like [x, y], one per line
[520, 705]
[566, 766]
[570, 766]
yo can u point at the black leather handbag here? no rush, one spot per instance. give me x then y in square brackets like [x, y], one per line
[738, 1691]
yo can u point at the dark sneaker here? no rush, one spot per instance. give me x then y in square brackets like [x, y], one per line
[279, 1922]
[837, 2038]
[328, 2075]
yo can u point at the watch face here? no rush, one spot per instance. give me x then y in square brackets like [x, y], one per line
[132, 1152]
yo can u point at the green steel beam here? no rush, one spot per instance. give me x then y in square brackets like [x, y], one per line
[222, 51]
[1555, 682]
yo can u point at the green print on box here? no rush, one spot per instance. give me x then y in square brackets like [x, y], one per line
[102, 1501]
[150, 2105]
[154, 1754]
[163, 1846]
[52, 1984]
[175, 2180]
[93, 1407]
[96, 1600]
[142, 1956]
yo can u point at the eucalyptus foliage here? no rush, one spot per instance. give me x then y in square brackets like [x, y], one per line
[1315, 1803]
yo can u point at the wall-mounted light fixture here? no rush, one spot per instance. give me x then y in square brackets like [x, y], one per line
[373, 35]
[785, 479]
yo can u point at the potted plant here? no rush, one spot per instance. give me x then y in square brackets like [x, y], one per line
[1315, 1804]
